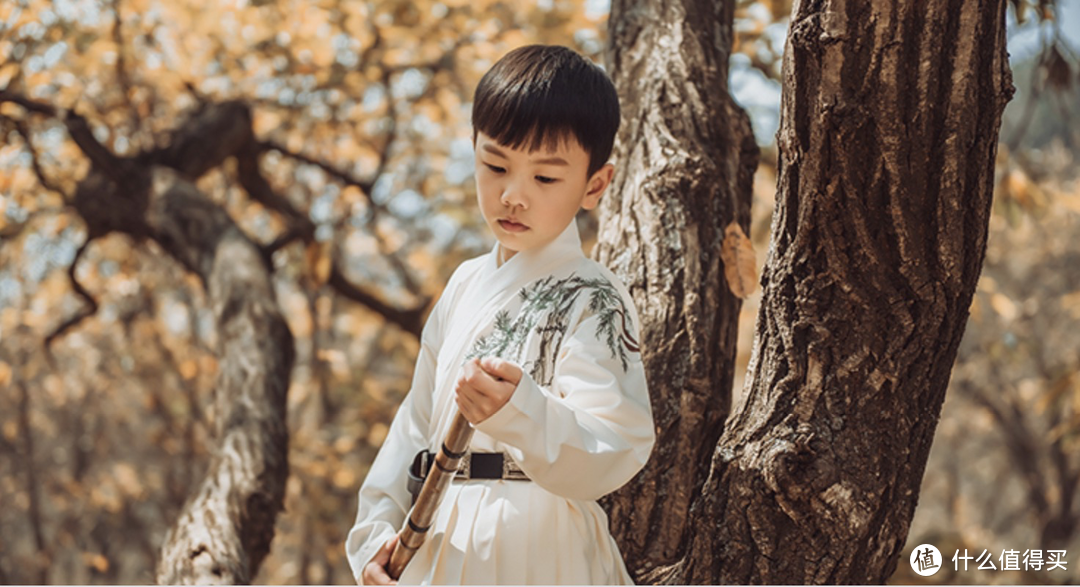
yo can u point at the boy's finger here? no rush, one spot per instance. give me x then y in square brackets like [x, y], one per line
[384, 553]
[381, 576]
[501, 369]
[465, 406]
[475, 391]
[474, 410]
[483, 388]
[488, 386]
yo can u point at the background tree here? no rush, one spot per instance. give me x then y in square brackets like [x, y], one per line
[887, 144]
[688, 155]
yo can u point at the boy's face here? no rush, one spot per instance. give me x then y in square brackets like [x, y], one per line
[528, 199]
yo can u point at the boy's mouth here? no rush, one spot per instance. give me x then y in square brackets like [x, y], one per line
[510, 226]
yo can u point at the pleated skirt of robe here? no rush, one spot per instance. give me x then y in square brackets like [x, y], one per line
[490, 532]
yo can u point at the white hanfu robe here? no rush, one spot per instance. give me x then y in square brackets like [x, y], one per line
[578, 424]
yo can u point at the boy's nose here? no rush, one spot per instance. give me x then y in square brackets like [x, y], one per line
[512, 196]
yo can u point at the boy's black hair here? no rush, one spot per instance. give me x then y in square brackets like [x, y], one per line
[543, 93]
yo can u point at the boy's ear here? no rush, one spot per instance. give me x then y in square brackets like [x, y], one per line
[596, 186]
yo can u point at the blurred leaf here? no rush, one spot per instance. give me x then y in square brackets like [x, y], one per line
[345, 444]
[188, 369]
[737, 253]
[319, 262]
[1019, 7]
[11, 430]
[96, 561]
[344, 478]
[377, 434]
[1055, 392]
[1003, 306]
[1071, 303]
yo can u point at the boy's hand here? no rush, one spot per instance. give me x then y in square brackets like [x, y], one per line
[375, 571]
[485, 386]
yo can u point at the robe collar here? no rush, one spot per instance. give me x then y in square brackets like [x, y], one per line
[526, 266]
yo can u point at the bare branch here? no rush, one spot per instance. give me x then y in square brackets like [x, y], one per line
[1018, 441]
[91, 304]
[342, 176]
[31, 105]
[35, 158]
[115, 167]
[376, 44]
[122, 75]
[409, 320]
[14, 230]
[251, 178]
[80, 132]
[283, 240]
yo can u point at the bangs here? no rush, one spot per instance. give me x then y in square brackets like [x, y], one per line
[536, 97]
[531, 120]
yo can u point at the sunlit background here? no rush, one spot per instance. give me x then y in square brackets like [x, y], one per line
[103, 435]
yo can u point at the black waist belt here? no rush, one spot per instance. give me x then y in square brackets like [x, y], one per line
[474, 465]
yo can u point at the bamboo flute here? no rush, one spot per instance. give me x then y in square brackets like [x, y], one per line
[442, 471]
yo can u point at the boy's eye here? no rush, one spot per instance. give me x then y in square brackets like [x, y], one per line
[543, 179]
[495, 169]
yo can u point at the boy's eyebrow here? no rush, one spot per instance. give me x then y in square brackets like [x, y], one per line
[546, 161]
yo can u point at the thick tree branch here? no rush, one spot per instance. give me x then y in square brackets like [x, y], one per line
[226, 526]
[209, 136]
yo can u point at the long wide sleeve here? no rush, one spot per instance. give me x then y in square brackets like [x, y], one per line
[592, 430]
[384, 498]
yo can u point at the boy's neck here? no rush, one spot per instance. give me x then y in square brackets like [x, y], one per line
[503, 257]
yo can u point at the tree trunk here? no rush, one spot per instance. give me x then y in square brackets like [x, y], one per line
[225, 528]
[685, 159]
[888, 136]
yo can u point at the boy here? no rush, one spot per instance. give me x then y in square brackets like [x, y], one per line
[535, 344]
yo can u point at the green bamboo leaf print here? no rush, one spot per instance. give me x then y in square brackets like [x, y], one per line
[546, 307]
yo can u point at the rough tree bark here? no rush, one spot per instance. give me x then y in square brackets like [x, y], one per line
[685, 159]
[226, 525]
[889, 126]
[225, 528]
